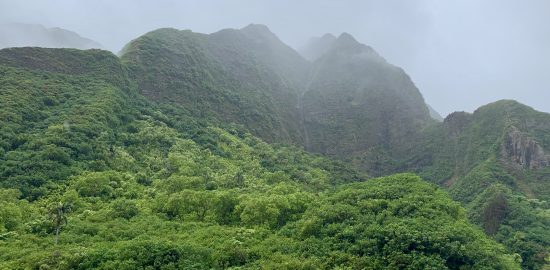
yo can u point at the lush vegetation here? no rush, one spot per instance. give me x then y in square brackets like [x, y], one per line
[395, 222]
[352, 105]
[494, 161]
[220, 76]
[93, 175]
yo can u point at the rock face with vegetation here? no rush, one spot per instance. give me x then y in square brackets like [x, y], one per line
[495, 162]
[194, 151]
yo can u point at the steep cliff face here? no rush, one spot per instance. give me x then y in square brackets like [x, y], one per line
[523, 151]
[349, 104]
[358, 107]
[502, 131]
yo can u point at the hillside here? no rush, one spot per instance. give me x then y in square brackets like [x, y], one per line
[497, 162]
[189, 136]
[347, 102]
[249, 77]
[93, 175]
[243, 76]
[33, 35]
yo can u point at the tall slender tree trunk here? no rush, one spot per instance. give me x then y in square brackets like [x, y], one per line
[57, 235]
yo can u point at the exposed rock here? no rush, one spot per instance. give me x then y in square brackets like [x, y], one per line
[523, 151]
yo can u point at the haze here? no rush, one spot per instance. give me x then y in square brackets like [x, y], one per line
[461, 54]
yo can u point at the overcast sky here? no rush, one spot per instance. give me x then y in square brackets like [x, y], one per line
[460, 53]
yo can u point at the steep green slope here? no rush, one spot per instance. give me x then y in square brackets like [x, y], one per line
[349, 104]
[112, 181]
[497, 162]
[359, 108]
[224, 75]
[53, 123]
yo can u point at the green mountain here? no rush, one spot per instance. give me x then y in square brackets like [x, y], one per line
[349, 104]
[34, 35]
[231, 150]
[495, 161]
[95, 175]
[245, 76]
[361, 109]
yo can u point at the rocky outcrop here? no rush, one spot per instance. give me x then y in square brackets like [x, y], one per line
[524, 152]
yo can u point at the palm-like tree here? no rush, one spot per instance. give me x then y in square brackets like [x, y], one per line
[58, 214]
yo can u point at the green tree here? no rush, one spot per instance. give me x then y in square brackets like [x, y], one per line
[58, 215]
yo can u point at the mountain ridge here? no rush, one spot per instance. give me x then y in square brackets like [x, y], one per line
[287, 80]
[35, 35]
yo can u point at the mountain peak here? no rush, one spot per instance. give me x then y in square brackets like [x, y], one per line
[348, 44]
[259, 32]
[346, 37]
[328, 37]
[317, 46]
[257, 28]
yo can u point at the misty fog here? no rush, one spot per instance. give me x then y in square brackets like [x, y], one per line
[460, 54]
